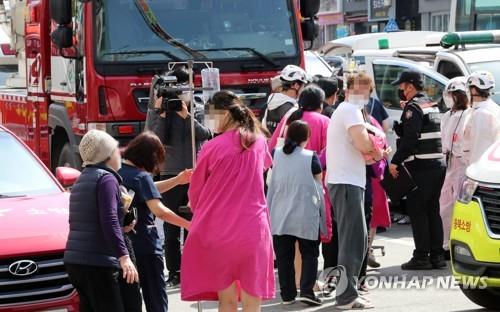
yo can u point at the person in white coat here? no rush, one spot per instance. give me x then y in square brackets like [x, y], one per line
[456, 97]
[484, 127]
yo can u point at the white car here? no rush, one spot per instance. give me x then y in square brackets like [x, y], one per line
[316, 65]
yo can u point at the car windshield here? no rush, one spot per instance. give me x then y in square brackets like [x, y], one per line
[494, 68]
[316, 66]
[174, 30]
[21, 173]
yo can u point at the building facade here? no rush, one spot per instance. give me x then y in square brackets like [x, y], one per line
[435, 14]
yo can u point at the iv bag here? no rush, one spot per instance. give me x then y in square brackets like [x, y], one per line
[210, 79]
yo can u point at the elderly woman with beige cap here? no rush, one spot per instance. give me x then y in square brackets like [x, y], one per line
[96, 249]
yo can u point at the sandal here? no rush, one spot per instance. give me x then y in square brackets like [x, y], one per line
[396, 217]
[403, 221]
[357, 304]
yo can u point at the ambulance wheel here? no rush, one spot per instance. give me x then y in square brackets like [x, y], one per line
[68, 158]
[488, 298]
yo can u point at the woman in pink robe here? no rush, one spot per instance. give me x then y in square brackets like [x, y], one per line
[229, 252]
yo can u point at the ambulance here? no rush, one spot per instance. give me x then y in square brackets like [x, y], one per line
[475, 232]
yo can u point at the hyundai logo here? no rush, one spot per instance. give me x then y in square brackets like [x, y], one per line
[23, 268]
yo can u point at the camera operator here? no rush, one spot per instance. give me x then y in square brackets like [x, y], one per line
[173, 127]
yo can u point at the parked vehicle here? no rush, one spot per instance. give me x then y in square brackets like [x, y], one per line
[459, 54]
[346, 46]
[386, 70]
[316, 65]
[475, 232]
[89, 64]
[34, 223]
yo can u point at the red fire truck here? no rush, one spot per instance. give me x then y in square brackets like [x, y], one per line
[88, 64]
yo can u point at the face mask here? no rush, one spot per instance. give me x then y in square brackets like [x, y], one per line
[358, 100]
[401, 94]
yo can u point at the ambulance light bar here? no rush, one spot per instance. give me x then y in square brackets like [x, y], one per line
[469, 37]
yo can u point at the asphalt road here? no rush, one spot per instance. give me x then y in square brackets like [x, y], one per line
[398, 245]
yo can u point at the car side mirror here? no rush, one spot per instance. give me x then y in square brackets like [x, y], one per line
[67, 176]
[62, 37]
[309, 8]
[310, 29]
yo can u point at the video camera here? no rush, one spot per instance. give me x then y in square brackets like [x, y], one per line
[164, 86]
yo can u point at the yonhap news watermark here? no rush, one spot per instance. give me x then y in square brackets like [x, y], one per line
[338, 276]
[423, 282]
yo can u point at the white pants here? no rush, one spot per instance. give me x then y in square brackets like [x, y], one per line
[455, 175]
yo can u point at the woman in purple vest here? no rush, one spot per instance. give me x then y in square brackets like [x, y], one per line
[96, 249]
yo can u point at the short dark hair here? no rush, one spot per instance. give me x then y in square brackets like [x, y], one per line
[287, 85]
[146, 151]
[329, 85]
[310, 100]
[181, 73]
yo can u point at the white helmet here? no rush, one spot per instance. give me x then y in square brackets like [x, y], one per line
[293, 73]
[455, 84]
[482, 80]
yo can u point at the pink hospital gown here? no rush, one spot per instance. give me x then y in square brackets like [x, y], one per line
[230, 237]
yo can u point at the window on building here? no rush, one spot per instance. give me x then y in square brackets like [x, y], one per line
[439, 21]
[329, 6]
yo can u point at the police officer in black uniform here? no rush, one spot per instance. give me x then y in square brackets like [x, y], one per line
[419, 150]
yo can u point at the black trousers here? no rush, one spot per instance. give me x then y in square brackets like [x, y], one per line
[131, 293]
[152, 280]
[368, 218]
[284, 248]
[98, 287]
[423, 210]
[173, 199]
[330, 250]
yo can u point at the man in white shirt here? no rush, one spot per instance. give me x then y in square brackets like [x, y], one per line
[484, 126]
[347, 142]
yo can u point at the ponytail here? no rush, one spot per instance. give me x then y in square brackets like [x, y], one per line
[248, 126]
[289, 146]
[297, 115]
[298, 132]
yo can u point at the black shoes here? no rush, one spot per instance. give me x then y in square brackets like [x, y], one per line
[438, 262]
[417, 264]
[174, 280]
[435, 262]
[311, 300]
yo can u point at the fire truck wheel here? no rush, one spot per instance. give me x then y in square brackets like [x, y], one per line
[68, 158]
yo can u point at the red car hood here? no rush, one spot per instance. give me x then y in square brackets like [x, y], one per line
[33, 225]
